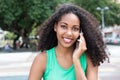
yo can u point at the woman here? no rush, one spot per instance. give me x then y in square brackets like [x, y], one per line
[72, 46]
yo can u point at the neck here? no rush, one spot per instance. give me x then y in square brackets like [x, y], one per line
[61, 51]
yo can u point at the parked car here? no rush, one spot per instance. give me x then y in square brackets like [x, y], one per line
[112, 38]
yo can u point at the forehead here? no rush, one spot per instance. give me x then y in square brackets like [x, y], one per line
[71, 18]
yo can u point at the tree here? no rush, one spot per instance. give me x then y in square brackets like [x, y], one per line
[9, 36]
[21, 16]
[112, 16]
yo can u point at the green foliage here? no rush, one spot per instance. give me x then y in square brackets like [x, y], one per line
[112, 16]
[9, 10]
[22, 14]
[10, 36]
[40, 10]
[33, 32]
[16, 15]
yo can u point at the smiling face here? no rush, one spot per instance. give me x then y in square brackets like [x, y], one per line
[67, 30]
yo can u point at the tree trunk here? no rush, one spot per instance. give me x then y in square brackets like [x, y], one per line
[14, 42]
[25, 39]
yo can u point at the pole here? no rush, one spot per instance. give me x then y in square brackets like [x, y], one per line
[103, 23]
[102, 16]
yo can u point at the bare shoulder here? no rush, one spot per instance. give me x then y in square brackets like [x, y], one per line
[88, 59]
[41, 56]
[38, 66]
[92, 71]
[90, 64]
[40, 59]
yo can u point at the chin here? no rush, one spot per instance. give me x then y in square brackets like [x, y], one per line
[68, 45]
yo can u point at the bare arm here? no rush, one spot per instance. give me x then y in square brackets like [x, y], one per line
[80, 48]
[92, 71]
[78, 70]
[38, 67]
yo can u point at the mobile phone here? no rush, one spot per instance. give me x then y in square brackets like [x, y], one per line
[80, 33]
[77, 42]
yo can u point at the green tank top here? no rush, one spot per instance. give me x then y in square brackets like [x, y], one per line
[55, 72]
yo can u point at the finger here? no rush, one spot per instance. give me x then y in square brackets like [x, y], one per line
[82, 39]
[79, 40]
[81, 36]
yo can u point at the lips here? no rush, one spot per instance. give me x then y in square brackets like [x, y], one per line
[67, 40]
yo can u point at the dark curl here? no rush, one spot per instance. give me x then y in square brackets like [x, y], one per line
[88, 24]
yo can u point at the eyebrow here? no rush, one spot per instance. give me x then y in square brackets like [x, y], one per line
[64, 23]
[67, 24]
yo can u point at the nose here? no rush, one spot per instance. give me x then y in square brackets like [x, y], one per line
[69, 32]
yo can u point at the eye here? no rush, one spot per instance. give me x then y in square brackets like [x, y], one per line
[75, 29]
[63, 26]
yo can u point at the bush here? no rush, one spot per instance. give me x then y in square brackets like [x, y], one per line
[10, 36]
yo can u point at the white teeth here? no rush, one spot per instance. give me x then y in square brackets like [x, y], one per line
[67, 40]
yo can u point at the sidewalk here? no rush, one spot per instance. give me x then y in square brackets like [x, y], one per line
[19, 63]
[16, 63]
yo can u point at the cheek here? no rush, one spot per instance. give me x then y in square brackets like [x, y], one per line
[59, 32]
[77, 35]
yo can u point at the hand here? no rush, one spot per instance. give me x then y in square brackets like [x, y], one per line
[80, 47]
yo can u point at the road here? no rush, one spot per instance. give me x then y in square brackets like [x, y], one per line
[111, 71]
[15, 64]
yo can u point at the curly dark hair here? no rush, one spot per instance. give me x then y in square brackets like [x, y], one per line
[89, 25]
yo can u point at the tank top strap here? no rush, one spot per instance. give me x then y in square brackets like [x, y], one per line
[50, 60]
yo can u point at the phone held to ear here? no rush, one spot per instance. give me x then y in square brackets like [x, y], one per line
[79, 34]
[78, 39]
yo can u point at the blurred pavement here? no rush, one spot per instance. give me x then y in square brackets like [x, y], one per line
[16, 63]
[111, 71]
[19, 63]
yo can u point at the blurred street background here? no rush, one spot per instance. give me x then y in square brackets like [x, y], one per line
[16, 65]
[111, 71]
[20, 27]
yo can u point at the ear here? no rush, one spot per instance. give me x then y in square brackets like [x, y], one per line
[55, 27]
